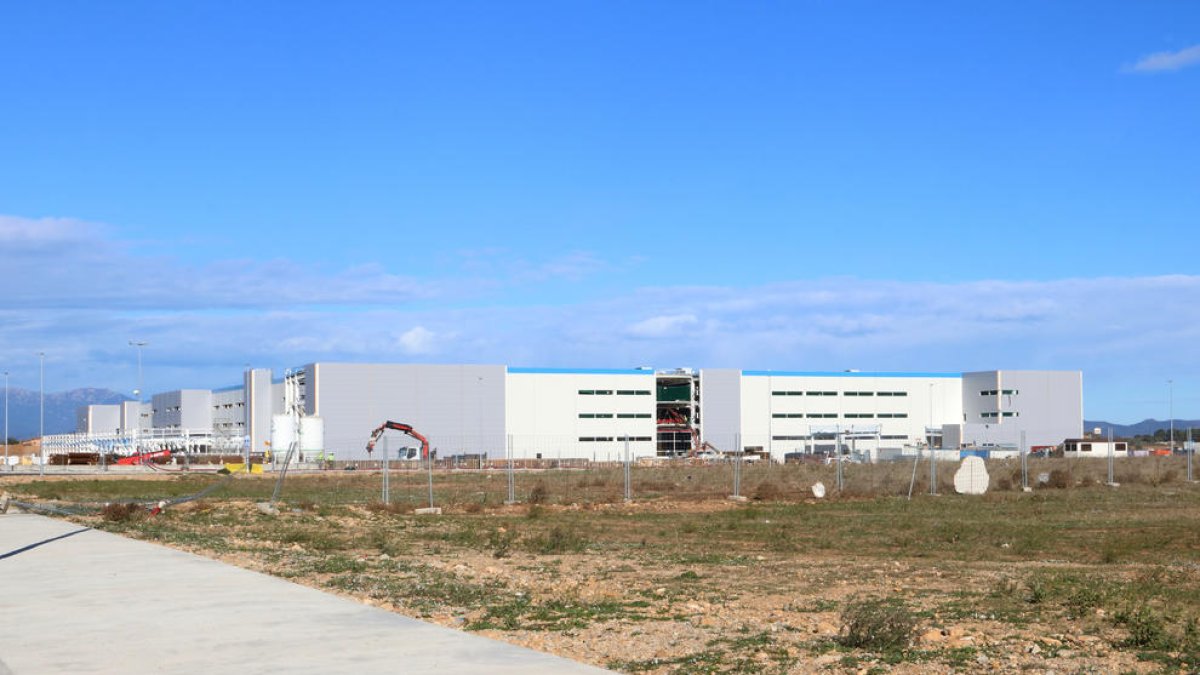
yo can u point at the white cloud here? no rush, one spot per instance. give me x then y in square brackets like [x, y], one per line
[69, 264]
[25, 235]
[663, 326]
[1166, 61]
[204, 323]
[417, 340]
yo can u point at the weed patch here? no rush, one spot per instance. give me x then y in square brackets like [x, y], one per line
[877, 625]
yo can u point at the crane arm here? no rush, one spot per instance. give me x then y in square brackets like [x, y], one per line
[402, 428]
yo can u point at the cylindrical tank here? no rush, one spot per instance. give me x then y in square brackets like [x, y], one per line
[282, 434]
[312, 435]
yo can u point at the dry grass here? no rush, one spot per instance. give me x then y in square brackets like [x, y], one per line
[687, 581]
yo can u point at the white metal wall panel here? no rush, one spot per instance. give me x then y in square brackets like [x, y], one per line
[459, 408]
[548, 416]
[781, 409]
[721, 407]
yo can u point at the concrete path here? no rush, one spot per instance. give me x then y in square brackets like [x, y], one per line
[76, 600]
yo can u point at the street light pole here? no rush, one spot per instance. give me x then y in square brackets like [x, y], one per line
[42, 412]
[6, 419]
[137, 430]
[139, 344]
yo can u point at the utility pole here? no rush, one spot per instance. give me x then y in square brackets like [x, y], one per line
[138, 393]
[42, 411]
[6, 419]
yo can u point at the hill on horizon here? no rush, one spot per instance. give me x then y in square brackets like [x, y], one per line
[1144, 428]
[61, 409]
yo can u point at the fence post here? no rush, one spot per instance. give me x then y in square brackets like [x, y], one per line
[628, 476]
[1111, 479]
[932, 464]
[837, 446]
[512, 483]
[431, 451]
[387, 491]
[1191, 451]
[1025, 464]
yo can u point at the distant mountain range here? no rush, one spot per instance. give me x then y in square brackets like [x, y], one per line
[1145, 427]
[60, 409]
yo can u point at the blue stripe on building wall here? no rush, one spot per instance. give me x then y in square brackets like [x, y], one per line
[817, 373]
[581, 371]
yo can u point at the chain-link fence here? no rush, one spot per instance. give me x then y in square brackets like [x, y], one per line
[470, 474]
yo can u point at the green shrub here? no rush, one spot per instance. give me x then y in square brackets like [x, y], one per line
[877, 625]
[538, 494]
[768, 491]
[1147, 628]
[123, 512]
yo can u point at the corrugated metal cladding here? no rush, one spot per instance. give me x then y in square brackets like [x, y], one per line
[258, 408]
[459, 408]
[721, 406]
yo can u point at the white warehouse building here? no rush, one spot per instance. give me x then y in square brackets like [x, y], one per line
[565, 413]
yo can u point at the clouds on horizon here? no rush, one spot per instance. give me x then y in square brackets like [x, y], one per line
[205, 323]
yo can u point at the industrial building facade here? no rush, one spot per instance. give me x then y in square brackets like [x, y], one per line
[601, 414]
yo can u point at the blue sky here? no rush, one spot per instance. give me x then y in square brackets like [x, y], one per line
[808, 185]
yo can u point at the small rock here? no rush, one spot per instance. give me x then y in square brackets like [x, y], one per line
[932, 635]
[1033, 649]
[660, 591]
[982, 659]
[826, 628]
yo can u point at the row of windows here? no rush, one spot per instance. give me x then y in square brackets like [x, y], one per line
[620, 416]
[993, 415]
[609, 439]
[993, 392]
[834, 393]
[834, 415]
[609, 392]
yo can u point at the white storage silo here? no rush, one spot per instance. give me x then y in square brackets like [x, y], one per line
[312, 437]
[283, 432]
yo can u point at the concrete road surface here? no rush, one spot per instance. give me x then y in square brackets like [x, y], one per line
[75, 600]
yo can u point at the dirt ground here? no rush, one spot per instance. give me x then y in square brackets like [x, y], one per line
[635, 597]
[1075, 578]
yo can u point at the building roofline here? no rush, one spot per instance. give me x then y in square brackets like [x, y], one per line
[580, 371]
[844, 373]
